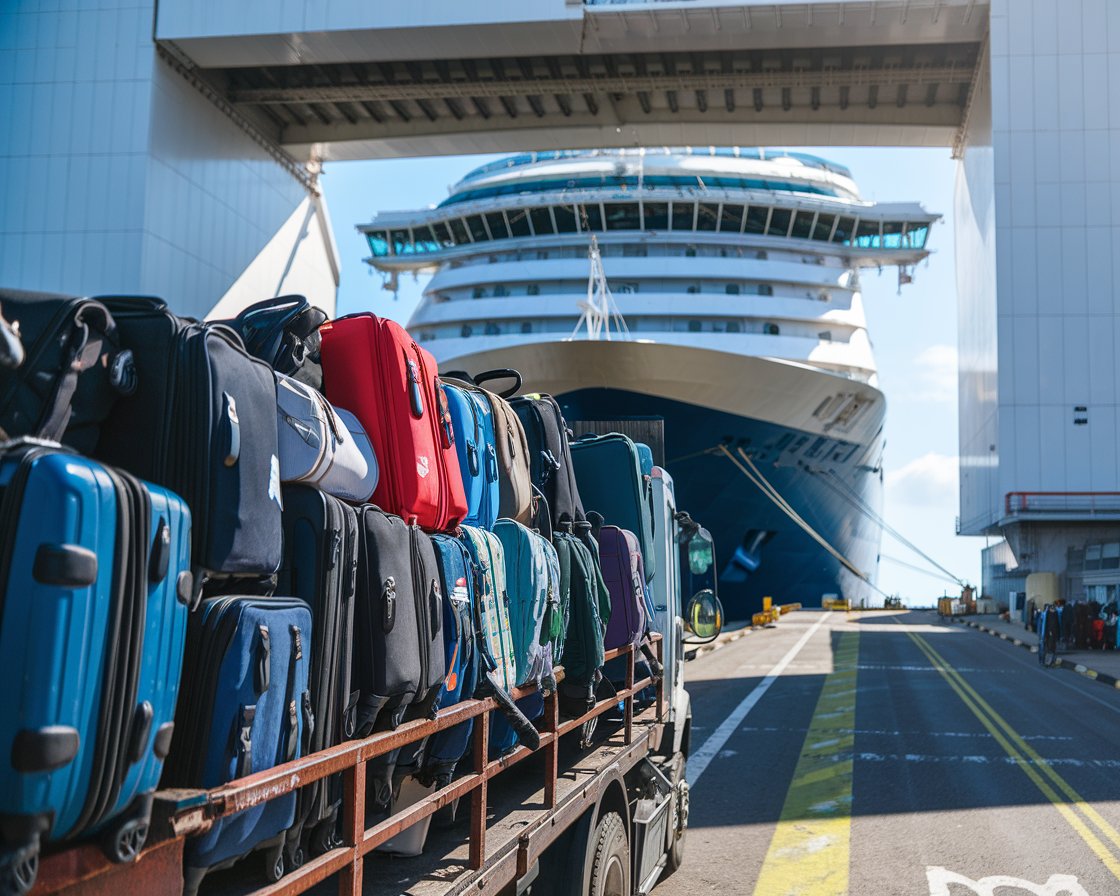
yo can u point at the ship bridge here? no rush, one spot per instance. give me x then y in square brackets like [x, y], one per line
[348, 79]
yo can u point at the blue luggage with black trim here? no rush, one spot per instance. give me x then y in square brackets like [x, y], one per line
[245, 707]
[473, 423]
[94, 567]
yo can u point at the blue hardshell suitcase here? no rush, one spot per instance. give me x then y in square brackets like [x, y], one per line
[245, 707]
[93, 614]
[473, 423]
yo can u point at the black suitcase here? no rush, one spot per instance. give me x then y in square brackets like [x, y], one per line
[550, 459]
[320, 566]
[202, 422]
[72, 372]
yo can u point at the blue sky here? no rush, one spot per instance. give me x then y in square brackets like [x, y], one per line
[914, 334]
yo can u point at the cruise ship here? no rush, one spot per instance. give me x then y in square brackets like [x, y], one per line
[710, 296]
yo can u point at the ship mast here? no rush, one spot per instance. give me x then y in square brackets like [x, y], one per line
[599, 311]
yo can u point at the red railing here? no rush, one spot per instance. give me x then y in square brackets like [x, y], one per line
[1058, 503]
[189, 813]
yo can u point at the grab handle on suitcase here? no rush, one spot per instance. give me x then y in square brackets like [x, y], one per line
[501, 373]
[233, 451]
[527, 734]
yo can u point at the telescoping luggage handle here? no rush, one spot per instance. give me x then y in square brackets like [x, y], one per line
[501, 373]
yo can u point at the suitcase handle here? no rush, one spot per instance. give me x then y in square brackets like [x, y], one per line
[501, 373]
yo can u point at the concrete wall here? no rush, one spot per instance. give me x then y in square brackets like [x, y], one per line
[119, 177]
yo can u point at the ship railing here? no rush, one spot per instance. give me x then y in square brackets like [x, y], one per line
[1077, 504]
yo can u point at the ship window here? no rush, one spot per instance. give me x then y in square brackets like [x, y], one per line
[594, 216]
[459, 231]
[631, 251]
[693, 289]
[519, 223]
[466, 331]
[771, 329]
[731, 219]
[402, 245]
[498, 231]
[500, 291]
[892, 235]
[533, 289]
[825, 336]
[916, 236]
[824, 227]
[657, 215]
[732, 289]
[526, 326]
[542, 221]
[765, 289]
[491, 329]
[1110, 555]
[565, 219]
[756, 219]
[779, 222]
[477, 228]
[690, 252]
[815, 448]
[762, 255]
[682, 215]
[478, 293]
[802, 225]
[627, 288]
[623, 217]
[867, 235]
[733, 326]
[694, 326]
[378, 245]
[844, 231]
[707, 216]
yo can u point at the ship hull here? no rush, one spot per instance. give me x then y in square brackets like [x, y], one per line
[826, 467]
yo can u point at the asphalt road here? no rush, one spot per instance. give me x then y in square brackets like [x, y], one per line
[889, 754]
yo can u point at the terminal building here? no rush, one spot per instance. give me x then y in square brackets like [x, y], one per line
[172, 148]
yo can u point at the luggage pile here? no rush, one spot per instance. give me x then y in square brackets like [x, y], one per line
[228, 545]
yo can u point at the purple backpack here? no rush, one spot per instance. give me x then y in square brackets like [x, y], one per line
[624, 572]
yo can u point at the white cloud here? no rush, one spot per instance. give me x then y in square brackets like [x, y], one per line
[930, 480]
[934, 372]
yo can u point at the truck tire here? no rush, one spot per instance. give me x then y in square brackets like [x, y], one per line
[610, 870]
[678, 816]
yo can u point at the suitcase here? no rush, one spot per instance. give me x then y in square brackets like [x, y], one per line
[245, 707]
[322, 446]
[202, 422]
[373, 368]
[608, 470]
[477, 453]
[398, 641]
[623, 572]
[320, 567]
[645, 458]
[94, 568]
[284, 333]
[515, 487]
[532, 582]
[583, 590]
[551, 459]
[73, 369]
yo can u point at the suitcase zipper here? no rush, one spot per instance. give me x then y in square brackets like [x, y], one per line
[422, 621]
[442, 497]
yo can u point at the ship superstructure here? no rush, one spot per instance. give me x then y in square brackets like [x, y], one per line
[736, 272]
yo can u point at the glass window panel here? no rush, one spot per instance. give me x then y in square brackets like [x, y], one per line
[867, 235]
[497, 224]
[565, 219]
[802, 225]
[623, 216]
[459, 231]
[707, 216]
[756, 219]
[844, 231]
[824, 227]
[378, 244]
[594, 216]
[731, 219]
[478, 230]
[917, 236]
[402, 244]
[519, 222]
[682, 215]
[542, 222]
[657, 215]
[779, 222]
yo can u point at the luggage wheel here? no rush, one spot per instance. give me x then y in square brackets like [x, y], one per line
[274, 864]
[323, 839]
[295, 857]
[123, 842]
[18, 871]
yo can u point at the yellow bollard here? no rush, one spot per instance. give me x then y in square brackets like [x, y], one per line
[767, 602]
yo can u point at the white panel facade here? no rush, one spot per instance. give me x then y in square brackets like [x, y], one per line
[119, 177]
[1055, 80]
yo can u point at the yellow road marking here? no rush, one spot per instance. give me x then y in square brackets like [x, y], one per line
[1073, 807]
[809, 853]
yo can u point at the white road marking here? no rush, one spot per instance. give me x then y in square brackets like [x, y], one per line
[984, 760]
[1058, 885]
[699, 760]
[886, 732]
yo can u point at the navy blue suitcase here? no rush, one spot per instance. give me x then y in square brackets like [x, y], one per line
[245, 707]
[476, 447]
[93, 615]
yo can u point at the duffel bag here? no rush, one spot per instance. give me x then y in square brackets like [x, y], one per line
[321, 445]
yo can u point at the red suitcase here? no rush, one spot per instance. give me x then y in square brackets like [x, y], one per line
[373, 368]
